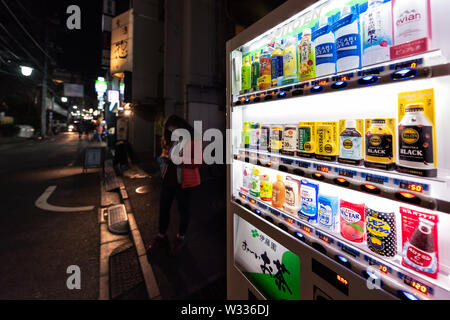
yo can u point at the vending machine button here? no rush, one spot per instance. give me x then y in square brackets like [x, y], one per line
[404, 74]
[282, 95]
[299, 236]
[376, 280]
[341, 182]
[370, 188]
[339, 85]
[316, 89]
[405, 295]
[343, 261]
[368, 80]
[408, 197]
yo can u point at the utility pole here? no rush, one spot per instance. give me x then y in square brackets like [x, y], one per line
[44, 101]
[44, 83]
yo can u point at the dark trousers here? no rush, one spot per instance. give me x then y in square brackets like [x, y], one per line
[183, 196]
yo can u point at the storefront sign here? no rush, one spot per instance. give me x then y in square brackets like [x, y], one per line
[73, 90]
[122, 43]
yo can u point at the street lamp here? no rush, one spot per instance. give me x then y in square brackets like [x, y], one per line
[26, 71]
[75, 107]
[63, 99]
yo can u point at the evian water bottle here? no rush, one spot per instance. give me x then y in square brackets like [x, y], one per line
[412, 27]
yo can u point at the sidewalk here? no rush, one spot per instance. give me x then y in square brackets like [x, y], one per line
[199, 272]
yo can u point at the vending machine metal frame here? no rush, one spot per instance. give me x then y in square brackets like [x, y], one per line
[318, 261]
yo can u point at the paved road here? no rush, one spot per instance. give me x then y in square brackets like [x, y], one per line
[37, 246]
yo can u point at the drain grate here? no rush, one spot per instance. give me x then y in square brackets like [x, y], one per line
[126, 280]
[118, 219]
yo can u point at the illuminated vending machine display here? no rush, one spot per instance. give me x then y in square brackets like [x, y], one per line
[339, 169]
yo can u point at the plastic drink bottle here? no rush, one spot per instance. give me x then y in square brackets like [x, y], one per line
[411, 20]
[415, 136]
[265, 79]
[255, 135]
[376, 30]
[351, 144]
[325, 48]
[276, 64]
[278, 192]
[379, 143]
[245, 135]
[290, 68]
[306, 56]
[348, 41]
[255, 189]
[246, 73]
[255, 71]
[265, 188]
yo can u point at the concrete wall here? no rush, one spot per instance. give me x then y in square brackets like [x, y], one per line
[147, 75]
[178, 64]
[194, 65]
[147, 51]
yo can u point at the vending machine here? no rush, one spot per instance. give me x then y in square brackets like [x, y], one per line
[338, 154]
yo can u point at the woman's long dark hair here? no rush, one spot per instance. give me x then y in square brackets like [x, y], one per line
[176, 122]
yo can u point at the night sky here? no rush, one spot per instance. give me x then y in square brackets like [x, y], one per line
[81, 48]
[76, 51]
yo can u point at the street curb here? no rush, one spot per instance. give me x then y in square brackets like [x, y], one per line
[146, 268]
[108, 243]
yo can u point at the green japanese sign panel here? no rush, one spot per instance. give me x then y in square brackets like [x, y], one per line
[269, 266]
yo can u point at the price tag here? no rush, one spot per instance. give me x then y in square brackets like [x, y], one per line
[304, 227]
[261, 205]
[374, 178]
[287, 161]
[342, 77]
[407, 64]
[289, 220]
[303, 164]
[324, 237]
[321, 82]
[417, 285]
[322, 168]
[346, 173]
[373, 71]
[383, 268]
[275, 212]
[412, 186]
[348, 250]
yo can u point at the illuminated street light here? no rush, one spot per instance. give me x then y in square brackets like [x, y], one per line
[75, 107]
[26, 71]
[63, 99]
[127, 112]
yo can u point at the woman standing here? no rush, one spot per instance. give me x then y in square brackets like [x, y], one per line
[180, 177]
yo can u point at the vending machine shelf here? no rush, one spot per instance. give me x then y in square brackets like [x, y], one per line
[426, 65]
[419, 191]
[393, 277]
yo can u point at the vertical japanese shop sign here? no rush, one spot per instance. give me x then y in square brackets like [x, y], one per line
[122, 43]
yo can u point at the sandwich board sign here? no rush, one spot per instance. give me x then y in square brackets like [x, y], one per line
[93, 158]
